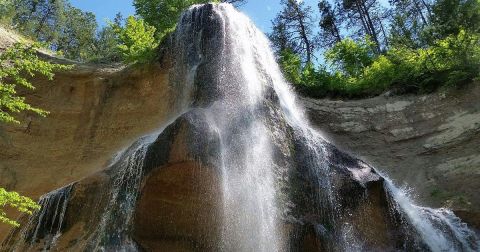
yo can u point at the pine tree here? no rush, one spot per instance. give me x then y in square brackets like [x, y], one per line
[451, 16]
[329, 24]
[292, 29]
[367, 17]
[409, 18]
[235, 2]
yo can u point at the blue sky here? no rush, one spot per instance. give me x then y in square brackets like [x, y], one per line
[260, 11]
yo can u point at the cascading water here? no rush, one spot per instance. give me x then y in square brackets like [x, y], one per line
[247, 164]
[112, 232]
[46, 224]
[440, 229]
[283, 187]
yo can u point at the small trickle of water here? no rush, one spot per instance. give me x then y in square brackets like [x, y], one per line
[45, 225]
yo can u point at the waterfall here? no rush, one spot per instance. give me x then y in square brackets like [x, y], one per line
[244, 78]
[233, 110]
[283, 186]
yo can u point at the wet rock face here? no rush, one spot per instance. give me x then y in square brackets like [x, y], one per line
[78, 220]
[347, 199]
[179, 209]
[179, 205]
[426, 142]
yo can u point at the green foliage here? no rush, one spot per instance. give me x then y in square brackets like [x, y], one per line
[163, 14]
[428, 45]
[351, 57]
[452, 16]
[106, 42]
[77, 36]
[408, 21]
[15, 200]
[7, 11]
[291, 65]
[56, 24]
[137, 40]
[17, 64]
[452, 61]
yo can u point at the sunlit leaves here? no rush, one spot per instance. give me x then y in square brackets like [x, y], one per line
[18, 64]
[357, 72]
[351, 57]
[137, 40]
[15, 200]
[163, 14]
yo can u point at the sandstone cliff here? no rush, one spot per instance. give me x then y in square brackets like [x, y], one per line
[95, 111]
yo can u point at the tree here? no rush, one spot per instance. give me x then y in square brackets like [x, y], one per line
[16, 64]
[409, 18]
[235, 2]
[77, 37]
[105, 46]
[40, 20]
[449, 17]
[293, 29]
[351, 57]
[280, 37]
[56, 24]
[162, 14]
[329, 24]
[291, 65]
[7, 11]
[137, 40]
[366, 16]
[15, 200]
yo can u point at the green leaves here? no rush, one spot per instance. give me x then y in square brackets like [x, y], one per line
[15, 200]
[137, 40]
[291, 65]
[163, 14]
[351, 57]
[17, 64]
[357, 72]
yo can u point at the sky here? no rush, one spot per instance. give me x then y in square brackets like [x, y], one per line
[260, 11]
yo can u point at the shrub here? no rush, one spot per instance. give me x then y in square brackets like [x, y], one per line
[358, 72]
[351, 57]
[291, 65]
[137, 41]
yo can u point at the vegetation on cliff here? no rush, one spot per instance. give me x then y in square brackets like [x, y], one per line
[17, 64]
[74, 33]
[355, 49]
[427, 45]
